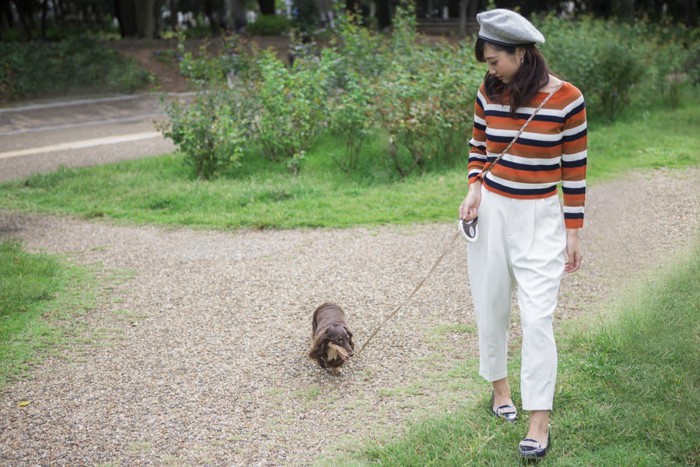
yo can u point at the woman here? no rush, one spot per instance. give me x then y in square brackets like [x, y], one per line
[523, 239]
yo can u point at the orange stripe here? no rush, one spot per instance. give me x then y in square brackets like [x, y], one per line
[573, 223]
[574, 200]
[574, 174]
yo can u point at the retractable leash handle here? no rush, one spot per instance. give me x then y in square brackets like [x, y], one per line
[468, 229]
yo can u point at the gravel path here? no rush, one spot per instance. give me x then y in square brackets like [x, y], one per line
[200, 359]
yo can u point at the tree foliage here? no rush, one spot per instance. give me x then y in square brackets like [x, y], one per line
[150, 18]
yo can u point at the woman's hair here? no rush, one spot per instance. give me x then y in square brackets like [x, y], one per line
[532, 75]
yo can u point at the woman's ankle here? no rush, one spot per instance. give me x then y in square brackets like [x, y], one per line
[501, 386]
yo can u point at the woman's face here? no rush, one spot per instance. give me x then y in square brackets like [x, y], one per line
[502, 64]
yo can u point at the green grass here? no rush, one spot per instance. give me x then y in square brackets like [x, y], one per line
[39, 299]
[627, 393]
[661, 138]
[160, 190]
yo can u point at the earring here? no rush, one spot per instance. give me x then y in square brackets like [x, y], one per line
[522, 60]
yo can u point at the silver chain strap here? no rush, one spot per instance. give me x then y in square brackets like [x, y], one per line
[510, 145]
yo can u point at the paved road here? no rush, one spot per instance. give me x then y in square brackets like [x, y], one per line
[42, 136]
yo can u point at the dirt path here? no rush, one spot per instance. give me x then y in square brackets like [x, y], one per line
[201, 360]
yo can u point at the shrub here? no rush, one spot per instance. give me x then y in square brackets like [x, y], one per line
[291, 103]
[622, 66]
[306, 14]
[353, 41]
[352, 118]
[213, 131]
[606, 63]
[268, 25]
[420, 96]
[38, 68]
[424, 99]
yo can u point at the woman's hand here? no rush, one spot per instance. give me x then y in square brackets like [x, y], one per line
[573, 251]
[470, 206]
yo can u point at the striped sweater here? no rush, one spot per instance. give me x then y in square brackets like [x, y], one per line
[552, 149]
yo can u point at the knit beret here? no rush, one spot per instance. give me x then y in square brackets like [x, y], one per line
[507, 27]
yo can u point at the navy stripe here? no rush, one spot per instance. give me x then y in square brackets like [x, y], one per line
[475, 159]
[479, 126]
[529, 167]
[520, 191]
[479, 103]
[475, 174]
[573, 191]
[524, 116]
[574, 137]
[575, 110]
[573, 215]
[524, 141]
[576, 163]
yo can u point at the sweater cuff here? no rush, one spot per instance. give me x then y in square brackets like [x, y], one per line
[574, 223]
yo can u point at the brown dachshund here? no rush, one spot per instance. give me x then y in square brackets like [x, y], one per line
[332, 340]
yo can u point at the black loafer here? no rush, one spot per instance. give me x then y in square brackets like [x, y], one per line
[531, 449]
[507, 412]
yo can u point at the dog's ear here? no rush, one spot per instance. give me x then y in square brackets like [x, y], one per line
[352, 344]
[319, 346]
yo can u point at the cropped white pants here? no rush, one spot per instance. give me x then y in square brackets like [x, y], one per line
[521, 242]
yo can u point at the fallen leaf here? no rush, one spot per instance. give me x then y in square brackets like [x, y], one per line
[24, 403]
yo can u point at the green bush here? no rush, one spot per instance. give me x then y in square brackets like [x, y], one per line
[421, 96]
[619, 66]
[212, 131]
[425, 97]
[291, 106]
[268, 25]
[606, 63]
[306, 15]
[352, 118]
[418, 98]
[39, 68]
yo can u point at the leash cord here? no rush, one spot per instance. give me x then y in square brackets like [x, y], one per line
[420, 284]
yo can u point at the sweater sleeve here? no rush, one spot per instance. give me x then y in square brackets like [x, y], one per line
[477, 145]
[573, 163]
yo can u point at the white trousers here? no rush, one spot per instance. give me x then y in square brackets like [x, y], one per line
[521, 242]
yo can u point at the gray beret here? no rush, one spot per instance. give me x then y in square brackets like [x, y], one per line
[506, 27]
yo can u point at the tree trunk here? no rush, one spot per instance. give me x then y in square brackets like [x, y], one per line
[44, 13]
[352, 6]
[691, 13]
[453, 8]
[173, 14]
[213, 15]
[383, 13]
[624, 10]
[24, 18]
[472, 6]
[235, 14]
[59, 11]
[125, 11]
[145, 18]
[6, 13]
[267, 7]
